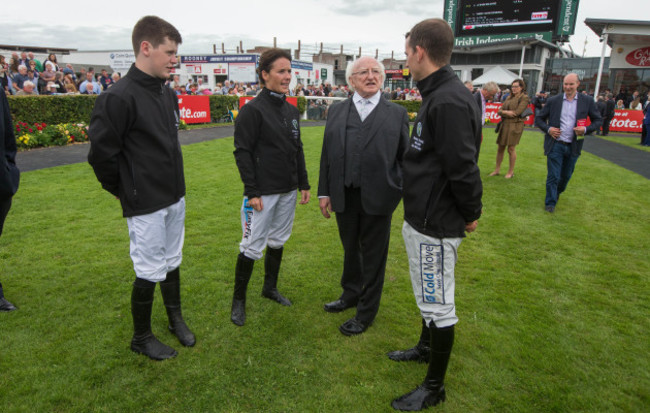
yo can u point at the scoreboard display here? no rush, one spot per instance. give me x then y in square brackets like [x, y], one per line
[482, 17]
[485, 21]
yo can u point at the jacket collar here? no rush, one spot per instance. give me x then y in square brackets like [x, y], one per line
[434, 80]
[274, 97]
[149, 82]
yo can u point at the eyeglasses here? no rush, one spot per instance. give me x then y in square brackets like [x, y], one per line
[366, 72]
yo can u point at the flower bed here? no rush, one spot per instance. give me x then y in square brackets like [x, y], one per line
[40, 134]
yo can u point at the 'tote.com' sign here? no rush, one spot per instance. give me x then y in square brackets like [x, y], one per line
[194, 109]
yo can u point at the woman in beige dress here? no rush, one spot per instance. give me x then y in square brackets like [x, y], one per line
[512, 125]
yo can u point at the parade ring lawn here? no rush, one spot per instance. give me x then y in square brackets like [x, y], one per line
[553, 308]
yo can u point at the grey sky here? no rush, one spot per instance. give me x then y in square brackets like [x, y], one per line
[371, 24]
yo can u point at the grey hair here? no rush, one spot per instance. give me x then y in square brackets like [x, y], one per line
[352, 65]
[491, 86]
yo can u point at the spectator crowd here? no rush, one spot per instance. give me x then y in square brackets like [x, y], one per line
[24, 75]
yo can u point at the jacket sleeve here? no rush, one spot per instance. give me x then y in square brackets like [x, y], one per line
[109, 122]
[457, 144]
[323, 174]
[9, 173]
[8, 132]
[541, 117]
[403, 138]
[303, 181]
[247, 132]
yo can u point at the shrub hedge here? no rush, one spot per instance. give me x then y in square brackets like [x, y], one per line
[59, 109]
[410, 105]
[52, 109]
[220, 105]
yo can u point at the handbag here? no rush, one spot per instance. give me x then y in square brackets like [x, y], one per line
[498, 128]
[526, 113]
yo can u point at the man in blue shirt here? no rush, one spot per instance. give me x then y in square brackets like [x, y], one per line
[564, 120]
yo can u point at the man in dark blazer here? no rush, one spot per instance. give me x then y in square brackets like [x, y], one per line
[484, 94]
[9, 175]
[361, 180]
[610, 111]
[564, 120]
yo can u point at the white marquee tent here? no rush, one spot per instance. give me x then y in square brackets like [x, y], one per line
[497, 74]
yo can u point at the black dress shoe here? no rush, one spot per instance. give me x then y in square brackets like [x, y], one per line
[6, 305]
[338, 306]
[353, 327]
[549, 208]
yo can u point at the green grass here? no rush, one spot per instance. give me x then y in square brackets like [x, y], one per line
[553, 308]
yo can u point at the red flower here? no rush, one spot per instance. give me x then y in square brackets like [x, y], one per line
[30, 130]
[43, 124]
[17, 128]
[40, 128]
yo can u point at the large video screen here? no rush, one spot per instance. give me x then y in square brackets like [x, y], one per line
[487, 17]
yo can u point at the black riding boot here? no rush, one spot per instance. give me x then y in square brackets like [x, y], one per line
[243, 272]
[171, 294]
[420, 352]
[432, 390]
[4, 304]
[272, 262]
[143, 339]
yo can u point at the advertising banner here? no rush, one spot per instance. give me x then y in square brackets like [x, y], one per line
[121, 61]
[492, 116]
[242, 72]
[624, 120]
[629, 56]
[627, 121]
[240, 58]
[297, 64]
[194, 109]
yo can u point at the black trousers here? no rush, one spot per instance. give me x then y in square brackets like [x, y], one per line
[5, 206]
[365, 243]
[606, 121]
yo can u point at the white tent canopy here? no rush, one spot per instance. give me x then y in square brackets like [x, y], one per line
[497, 74]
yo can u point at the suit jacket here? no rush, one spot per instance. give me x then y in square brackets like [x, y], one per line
[381, 158]
[479, 102]
[550, 114]
[9, 174]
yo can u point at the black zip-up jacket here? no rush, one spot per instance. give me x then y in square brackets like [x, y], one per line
[442, 183]
[134, 147]
[268, 149]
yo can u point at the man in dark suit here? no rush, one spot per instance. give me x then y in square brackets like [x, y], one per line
[361, 180]
[564, 120]
[602, 109]
[9, 175]
[484, 94]
[610, 107]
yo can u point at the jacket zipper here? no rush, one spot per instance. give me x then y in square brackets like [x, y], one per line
[429, 203]
[135, 190]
